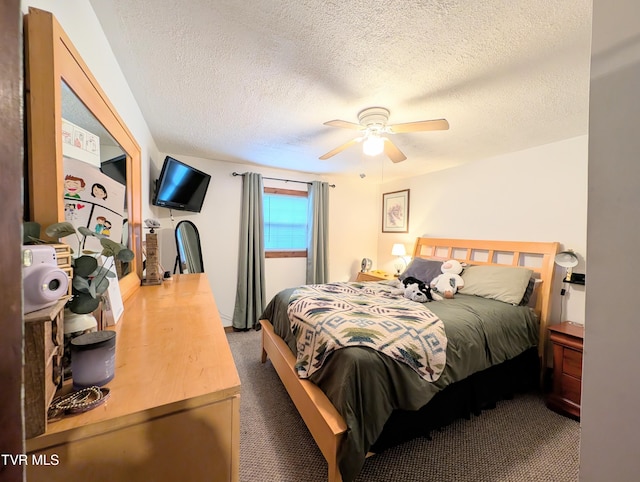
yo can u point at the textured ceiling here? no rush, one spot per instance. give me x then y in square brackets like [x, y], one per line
[253, 81]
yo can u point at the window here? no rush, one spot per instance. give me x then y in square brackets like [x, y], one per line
[285, 223]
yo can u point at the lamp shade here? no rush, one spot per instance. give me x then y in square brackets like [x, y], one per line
[566, 259]
[398, 250]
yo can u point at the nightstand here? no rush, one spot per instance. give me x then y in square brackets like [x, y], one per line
[374, 276]
[567, 339]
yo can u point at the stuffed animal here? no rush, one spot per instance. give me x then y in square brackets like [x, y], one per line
[416, 290]
[449, 281]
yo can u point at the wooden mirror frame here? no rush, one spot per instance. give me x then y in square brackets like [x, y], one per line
[51, 58]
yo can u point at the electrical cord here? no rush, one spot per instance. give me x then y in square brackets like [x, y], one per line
[563, 292]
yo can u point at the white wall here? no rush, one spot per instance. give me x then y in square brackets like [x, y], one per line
[610, 389]
[352, 230]
[538, 194]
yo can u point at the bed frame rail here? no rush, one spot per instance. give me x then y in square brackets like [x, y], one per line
[322, 419]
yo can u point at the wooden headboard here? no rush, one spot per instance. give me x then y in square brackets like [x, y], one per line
[539, 257]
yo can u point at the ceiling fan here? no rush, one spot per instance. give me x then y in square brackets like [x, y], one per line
[373, 123]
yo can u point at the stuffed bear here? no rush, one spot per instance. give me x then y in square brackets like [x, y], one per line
[416, 290]
[449, 281]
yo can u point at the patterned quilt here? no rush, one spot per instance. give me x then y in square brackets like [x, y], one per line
[327, 317]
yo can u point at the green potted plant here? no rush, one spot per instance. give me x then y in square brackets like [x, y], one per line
[90, 280]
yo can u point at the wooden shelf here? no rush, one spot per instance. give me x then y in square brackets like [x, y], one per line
[43, 348]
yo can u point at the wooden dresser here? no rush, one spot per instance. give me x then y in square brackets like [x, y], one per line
[567, 340]
[174, 407]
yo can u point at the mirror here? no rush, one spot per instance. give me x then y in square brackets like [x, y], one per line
[90, 149]
[189, 258]
[57, 80]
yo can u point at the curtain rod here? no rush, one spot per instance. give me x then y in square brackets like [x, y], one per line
[234, 174]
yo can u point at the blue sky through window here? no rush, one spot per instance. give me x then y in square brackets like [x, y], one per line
[285, 222]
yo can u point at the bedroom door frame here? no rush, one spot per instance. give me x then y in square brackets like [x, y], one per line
[11, 166]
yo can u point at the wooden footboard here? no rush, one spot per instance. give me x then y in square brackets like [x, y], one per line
[322, 419]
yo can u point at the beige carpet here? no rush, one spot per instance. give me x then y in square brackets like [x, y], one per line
[520, 440]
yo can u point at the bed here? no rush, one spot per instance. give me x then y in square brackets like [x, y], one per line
[362, 400]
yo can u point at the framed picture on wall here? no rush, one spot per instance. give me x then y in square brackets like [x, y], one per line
[395, 212]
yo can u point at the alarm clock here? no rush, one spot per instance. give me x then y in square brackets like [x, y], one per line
[366, 264]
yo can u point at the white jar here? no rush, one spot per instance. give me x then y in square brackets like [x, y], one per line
[75, 324]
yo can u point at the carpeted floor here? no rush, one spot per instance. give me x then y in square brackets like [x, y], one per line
[520, 440]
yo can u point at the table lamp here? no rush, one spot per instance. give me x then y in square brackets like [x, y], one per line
[568, 260]
[399, 251]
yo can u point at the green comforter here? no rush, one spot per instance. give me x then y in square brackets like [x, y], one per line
[366, 386]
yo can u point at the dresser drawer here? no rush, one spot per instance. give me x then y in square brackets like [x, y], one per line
[571, 388]
[572, 363]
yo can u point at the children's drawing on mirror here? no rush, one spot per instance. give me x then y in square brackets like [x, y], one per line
[71, 210]
[73, 186]
[99, 191]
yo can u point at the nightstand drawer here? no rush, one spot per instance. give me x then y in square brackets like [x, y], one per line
[572, 363]
[374, 276]
[571, 388]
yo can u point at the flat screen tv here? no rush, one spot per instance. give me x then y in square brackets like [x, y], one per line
[116, 169]
[181, 186]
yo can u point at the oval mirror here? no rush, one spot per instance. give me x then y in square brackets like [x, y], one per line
[189, 258]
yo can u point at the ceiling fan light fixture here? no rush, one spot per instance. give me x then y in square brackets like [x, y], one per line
[373, 145]
[373, 123]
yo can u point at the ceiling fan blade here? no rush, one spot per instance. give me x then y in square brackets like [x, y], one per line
[341, 148]
[393, 152]
[344, 124]
[429, 125]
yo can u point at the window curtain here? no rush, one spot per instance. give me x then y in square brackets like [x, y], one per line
[250, 294]
[317, 239]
